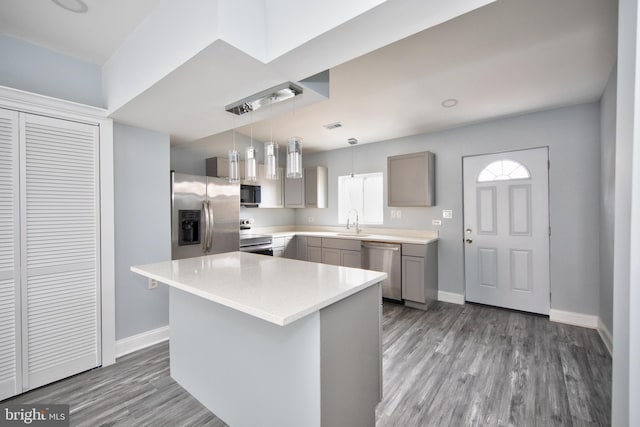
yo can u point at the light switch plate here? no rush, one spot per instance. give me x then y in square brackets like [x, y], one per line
[436, 222]
[447, 213]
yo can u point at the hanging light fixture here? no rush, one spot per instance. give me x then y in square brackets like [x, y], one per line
[250, 160]
[352, 142]
[234, 160]
[294, 158]
[294, 153]
[271, 153]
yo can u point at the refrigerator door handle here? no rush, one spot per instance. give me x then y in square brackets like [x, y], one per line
[205, 228]
[210, 227]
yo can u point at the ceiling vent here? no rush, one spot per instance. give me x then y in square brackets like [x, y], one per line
[334, 125]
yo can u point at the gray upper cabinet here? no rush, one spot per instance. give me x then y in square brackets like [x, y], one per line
[315, 187]
[293, 193]
[309, 192]
[271, 189]
[411, 179]
[217, 167]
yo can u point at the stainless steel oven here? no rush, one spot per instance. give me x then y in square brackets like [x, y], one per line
[256, 244]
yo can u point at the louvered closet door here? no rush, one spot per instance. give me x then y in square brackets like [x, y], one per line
[60, 257]
[10, 363]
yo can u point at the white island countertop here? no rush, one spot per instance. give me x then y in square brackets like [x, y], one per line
[277, 290]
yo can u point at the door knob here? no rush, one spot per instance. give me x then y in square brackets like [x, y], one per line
[468, 241]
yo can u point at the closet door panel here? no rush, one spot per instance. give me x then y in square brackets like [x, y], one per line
[10, 357]
[60, 253]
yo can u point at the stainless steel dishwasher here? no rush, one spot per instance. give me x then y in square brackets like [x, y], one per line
[384, 257]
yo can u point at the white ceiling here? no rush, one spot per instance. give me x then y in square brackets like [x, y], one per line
[509, 57]
[92, 36]
[506, 58]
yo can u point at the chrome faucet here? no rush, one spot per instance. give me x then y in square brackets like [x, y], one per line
[358, 229]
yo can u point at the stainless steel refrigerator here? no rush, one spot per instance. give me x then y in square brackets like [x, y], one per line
[205, 216]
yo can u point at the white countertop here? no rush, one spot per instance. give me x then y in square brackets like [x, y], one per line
[274, 289]
[364, 236]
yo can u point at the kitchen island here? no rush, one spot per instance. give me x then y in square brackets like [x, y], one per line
[266, 341]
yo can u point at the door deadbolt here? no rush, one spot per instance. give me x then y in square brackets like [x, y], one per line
[468, 231]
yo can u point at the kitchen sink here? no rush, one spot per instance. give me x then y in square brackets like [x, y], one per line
[352, 234]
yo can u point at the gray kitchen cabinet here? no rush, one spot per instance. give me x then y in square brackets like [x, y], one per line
[290, 247]
[419, 273]
[284, 247]
[350, 259]
[316, 185]
[309, 192]
[413, 279]
[301, 248]
[314, 249]
[331, 256]
[411, 179]
[344, 252]
[314, 254]
[294, 193]
[217, 167]
[271, 189]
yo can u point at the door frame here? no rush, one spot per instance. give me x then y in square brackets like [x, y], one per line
[463, 259]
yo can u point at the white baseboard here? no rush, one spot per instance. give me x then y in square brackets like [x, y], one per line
[140, 341]
[450, 297]
[607, 337]
[575, 319]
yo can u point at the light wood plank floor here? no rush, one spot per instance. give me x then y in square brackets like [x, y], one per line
[449, 366]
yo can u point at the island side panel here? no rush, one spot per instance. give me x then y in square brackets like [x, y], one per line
[247, 371]
[351, 359]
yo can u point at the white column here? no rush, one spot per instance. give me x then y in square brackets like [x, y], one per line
[626, 298]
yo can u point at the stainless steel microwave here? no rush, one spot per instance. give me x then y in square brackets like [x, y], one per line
[250, 195]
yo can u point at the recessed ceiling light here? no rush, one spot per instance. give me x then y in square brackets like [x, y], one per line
[448, 103]
[77, 6]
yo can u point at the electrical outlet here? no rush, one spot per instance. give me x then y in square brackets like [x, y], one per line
[311, 219]
[447, 213]
[393, 214]
[398, 214]
[153, 283]
[436, 222]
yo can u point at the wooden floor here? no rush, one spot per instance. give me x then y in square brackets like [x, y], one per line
[450, 366]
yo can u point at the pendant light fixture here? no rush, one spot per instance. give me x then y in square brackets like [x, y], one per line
[294, 158]
[352, 142]
[294, 153]
[250, 160]
[271, 153]
[234, 160]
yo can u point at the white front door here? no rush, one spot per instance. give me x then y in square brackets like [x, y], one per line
[506, 229]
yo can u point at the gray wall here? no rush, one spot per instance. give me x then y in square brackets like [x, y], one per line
[607, 197]
[142, 226]
[573, 137]
[32, 68]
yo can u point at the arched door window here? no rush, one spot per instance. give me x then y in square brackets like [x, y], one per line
[503, 170]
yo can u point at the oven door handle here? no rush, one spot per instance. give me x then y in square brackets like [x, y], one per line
[256, 247]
